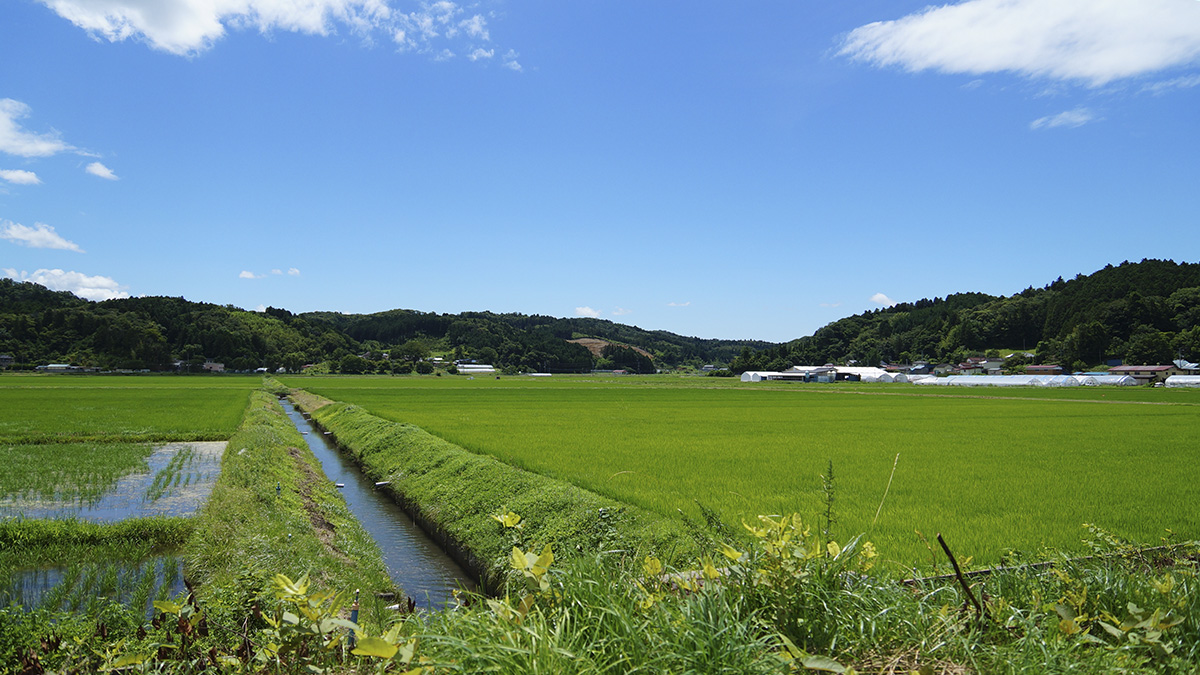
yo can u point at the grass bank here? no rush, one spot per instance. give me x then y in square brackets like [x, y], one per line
[456, 495]
[274, 511]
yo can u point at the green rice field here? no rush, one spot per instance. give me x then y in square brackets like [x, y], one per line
[67, 408]
[993, 471]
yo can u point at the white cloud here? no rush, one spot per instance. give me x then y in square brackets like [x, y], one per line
[476, 27]
[292, 271]
[587, 311]
[1093, 41]
[40, 235]
[276, 271]
[1186, 82]
[481, 53]
[20, 177]
[679, 304]
[250, 275]
[260, 308]
[881, 299]
[510, 61]
[621, 311]
[1070, 118]
[90, 288]
[98, 169]
[191, 26]
[831, 304]
[15, 140]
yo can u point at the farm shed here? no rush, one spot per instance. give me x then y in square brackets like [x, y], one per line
[1183, 381]
[757, 375]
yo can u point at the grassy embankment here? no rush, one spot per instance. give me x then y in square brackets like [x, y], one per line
[247, 532]
[457, 494]
[993, 470]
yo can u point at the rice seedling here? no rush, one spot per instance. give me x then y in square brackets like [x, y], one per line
[73, 472]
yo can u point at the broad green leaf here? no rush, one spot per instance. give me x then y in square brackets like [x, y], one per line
[376, 647]
[730, 552]
[167, 607]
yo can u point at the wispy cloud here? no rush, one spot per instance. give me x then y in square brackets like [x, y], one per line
[587, 311]
[1089, 41]
[40, 235]
[88, 287]
[293, 272]
[679, 304]
[1186, 82]
[98, 169]
[1070, 119]
[16, 140]
[831, 304]
[20, 177]
[246, 274]
[881, 299]
[621, 311]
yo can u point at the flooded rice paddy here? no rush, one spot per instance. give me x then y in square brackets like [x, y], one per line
[175, 480]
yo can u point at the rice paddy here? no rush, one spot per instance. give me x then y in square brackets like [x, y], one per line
[1019, 470]
[65, 409]
[99, 449]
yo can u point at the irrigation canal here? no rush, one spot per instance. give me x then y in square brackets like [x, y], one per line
[414, 561]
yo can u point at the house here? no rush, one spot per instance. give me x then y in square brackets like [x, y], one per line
[1146, 374]
[1046, 369]
[6, 360]
[213, 366]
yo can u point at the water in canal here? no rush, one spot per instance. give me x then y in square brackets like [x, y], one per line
[414, 561]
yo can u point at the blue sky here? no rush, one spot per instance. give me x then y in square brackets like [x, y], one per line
[712, 169]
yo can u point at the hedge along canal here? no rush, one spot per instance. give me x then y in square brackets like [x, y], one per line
[455, 496]
[414, 561]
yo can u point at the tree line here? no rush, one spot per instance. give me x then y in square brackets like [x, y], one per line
[1138, 313]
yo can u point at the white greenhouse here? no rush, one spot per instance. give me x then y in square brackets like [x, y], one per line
[1183, 381]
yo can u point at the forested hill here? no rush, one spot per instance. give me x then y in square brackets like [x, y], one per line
[39, 326]
[1141, 313]
[510, 338]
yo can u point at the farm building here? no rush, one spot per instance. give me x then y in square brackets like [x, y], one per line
[1146, 374]
[474, 368]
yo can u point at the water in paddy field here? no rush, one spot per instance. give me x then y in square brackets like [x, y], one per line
[179, 479]
[414, 561]
[77, 587]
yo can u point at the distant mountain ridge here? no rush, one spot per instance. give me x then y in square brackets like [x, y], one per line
[1140, 313]
[39, 326]
[1145, 312]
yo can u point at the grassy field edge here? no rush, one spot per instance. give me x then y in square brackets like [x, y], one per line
[273, 511]
[456, 494]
